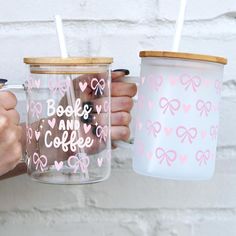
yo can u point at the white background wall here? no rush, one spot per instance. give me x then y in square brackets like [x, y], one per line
[127, 204]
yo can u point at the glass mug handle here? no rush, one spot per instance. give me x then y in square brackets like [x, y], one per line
[17, 87]
[128, 144]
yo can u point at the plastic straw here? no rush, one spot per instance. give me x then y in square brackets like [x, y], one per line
[64, 54]
[179, 26]
[61, 36]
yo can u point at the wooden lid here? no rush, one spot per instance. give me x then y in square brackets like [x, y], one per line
[70, 61]
[180, 55]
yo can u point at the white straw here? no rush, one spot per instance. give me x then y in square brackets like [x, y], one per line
[179, 26]
[70, 94]
[61, 36]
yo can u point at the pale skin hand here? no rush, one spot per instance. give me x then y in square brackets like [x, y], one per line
[122, 103]
[10, 133]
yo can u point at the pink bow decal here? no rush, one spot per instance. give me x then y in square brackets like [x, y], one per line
[36, 109]
[101, 133]
[214, 132]
[155, 81]
[168, 156]
[171, 105]
[29, 133]
[58, 85]
[81, 162]
[40, 161]
[153, 128]
[203, 157]
[189, 81]
[203, 107]
[30, 84]
[184, 133]
[218, 86]
[98, 86]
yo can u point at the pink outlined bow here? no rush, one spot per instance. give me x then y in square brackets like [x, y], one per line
[184, 133]
[153, 128]
[81, 162]
[214, 132]
[29, 133]
[98, 86]
[203, 157]
[172, 105]
[203, 107]
[58, 85]
[169, 156]
[40, 161]
[30, 84]
[189, 81]
[101, 133]
[36, 109]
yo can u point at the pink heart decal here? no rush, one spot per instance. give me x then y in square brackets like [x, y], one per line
[100, 161]
[150, 104]
[83, 86]
[58, 165]
[37, 135]
[149, 155]
[87, 128]
[183, 159]
[52, 122]
[143, 80]
[204, 134]
[173, 81]
[186, 107]
[98, 108]
[168, 131]
[106, 106]
[206, 82]
[140, 125]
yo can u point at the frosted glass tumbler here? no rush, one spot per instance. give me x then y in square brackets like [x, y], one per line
[177, 115]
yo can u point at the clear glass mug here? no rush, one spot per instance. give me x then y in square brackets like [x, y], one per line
[68, 119]
[177, 115]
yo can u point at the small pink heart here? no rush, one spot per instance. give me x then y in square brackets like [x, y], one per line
[52, 122]
[98, 108]
[58, 165]
[83, 86]
[206, 82]
[106, 106]
[168, 131]
[183, 159]
[37, 83]
[149, 155]
[143, 80]
[186, 107]
[87, 128]
[37, 135]
[173, 81]
[140, 125]
[204, 134]
[150, 104]
[100, 161]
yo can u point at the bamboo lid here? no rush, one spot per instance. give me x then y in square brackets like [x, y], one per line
[180, 55]
[70, 61]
